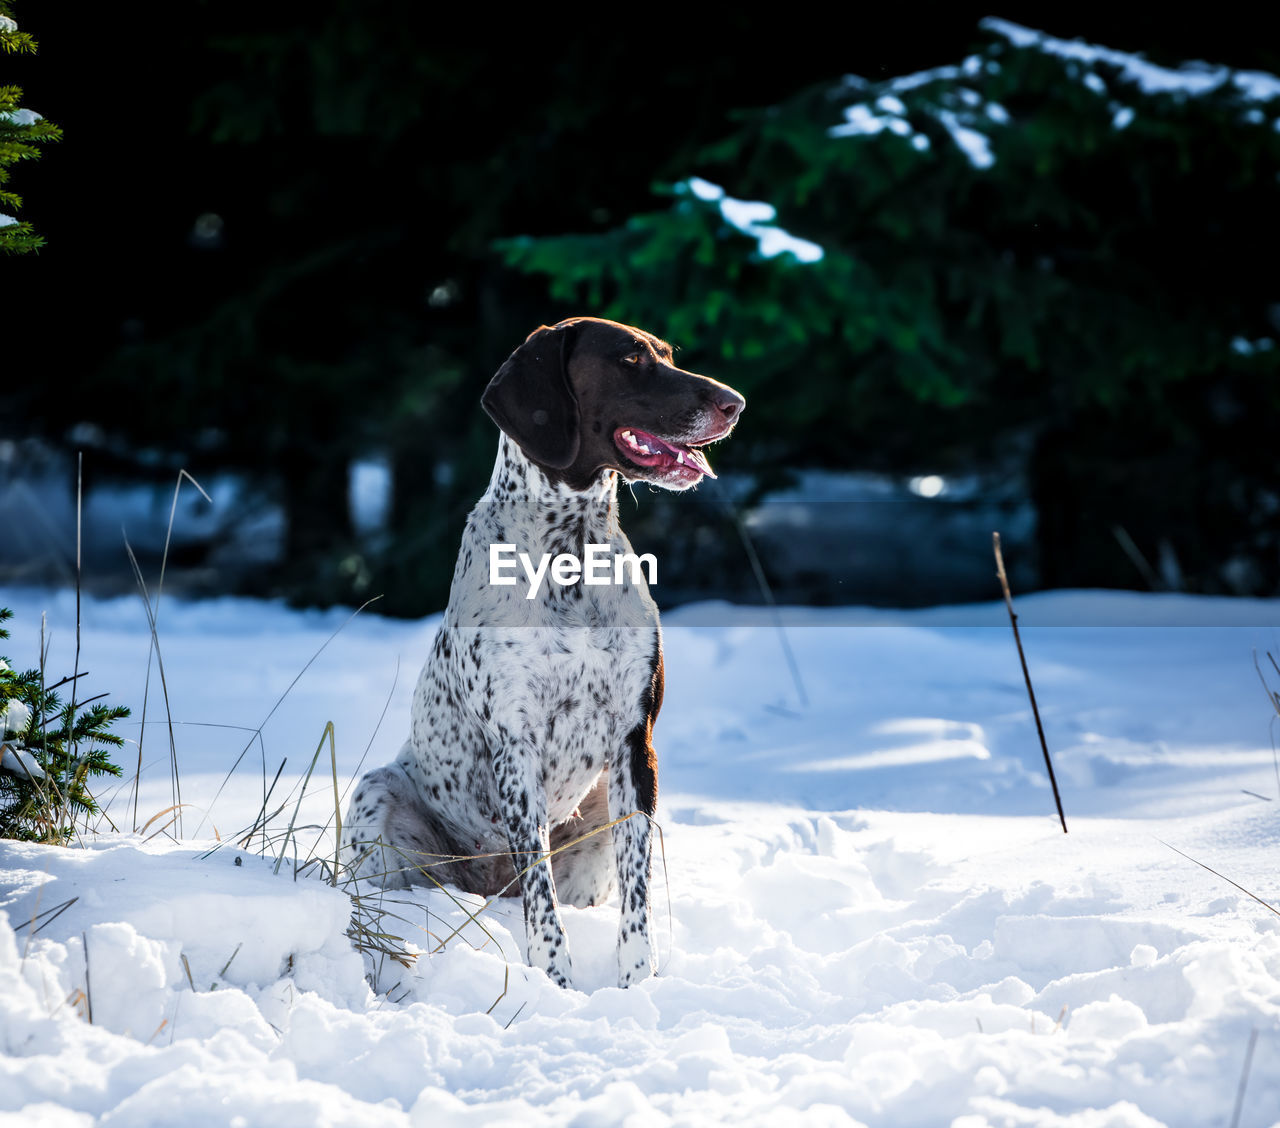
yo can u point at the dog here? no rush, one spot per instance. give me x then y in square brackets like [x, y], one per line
[532, 720]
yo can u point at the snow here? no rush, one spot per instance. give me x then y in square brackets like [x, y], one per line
[867, 912]
[1190, 78]
[14, 717]
[755, 218]
[966, 125]
[859, 120]
[18, 761]
[7, 220]
[369, 493]
[970, 142]
[1246, 347]
[891, 113]
[23, 117]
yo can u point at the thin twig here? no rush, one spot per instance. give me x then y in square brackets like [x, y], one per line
[1031, 693]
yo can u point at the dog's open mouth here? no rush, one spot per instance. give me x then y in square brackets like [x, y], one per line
[648, 450]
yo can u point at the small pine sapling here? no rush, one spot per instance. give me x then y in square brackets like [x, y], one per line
[49, 751]
[21, 130]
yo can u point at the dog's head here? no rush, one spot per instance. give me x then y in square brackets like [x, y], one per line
[589, 395]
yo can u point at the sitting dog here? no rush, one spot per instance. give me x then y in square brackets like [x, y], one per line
[532, 721]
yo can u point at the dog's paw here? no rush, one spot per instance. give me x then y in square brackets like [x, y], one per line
[635, 958]
[636, 975]
[549, 950]
[560, 978]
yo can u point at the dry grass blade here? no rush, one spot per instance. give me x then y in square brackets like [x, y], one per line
[328, 732]
[168, 534]
[46, 917]
[516, 1015]
[506, 986]
[418, 864]
[88, 991]
[158, 815]
[1246, 892]
[176, 811]
[175, 782]
[280, 700]
[262, 818]
[337, 807]
[153, 614]
[223, 973]
[355, 775]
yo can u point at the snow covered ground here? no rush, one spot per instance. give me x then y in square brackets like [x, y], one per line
[869, 913]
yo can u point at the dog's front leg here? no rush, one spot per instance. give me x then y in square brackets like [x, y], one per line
[523, 805]
[633, 789]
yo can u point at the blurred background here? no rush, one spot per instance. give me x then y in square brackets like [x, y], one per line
[967, 278]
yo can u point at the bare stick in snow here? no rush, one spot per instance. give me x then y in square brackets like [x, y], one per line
[1031, 693]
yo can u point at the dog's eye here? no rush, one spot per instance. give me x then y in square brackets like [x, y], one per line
[633, 358]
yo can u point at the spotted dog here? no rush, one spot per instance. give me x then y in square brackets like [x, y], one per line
[532, 721]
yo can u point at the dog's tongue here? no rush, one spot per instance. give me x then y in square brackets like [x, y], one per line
[698, 461]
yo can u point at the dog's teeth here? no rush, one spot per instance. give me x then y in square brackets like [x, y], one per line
[680, 457]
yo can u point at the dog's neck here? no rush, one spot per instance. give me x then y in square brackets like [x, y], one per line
[517, 481]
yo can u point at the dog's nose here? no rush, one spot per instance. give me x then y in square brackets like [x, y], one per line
[728, 403]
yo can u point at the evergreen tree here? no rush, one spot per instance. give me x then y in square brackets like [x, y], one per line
[21, 130]
[1044, 242]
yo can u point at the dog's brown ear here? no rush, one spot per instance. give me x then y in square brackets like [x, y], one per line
[531, 400]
